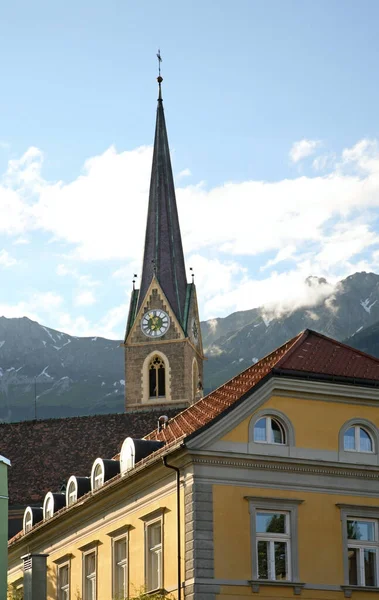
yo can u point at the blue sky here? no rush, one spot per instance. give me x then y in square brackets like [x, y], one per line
[271, 110]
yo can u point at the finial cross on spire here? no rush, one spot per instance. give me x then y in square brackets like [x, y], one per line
[159, 62]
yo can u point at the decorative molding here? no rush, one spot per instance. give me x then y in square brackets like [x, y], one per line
[256, 583]
[272, 500]
[64, 559]
[90, 546]
[120, 531]
[348, 589]
[154, 514]
[288, 467]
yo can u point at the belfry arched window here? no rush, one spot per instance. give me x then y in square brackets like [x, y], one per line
[157, 378]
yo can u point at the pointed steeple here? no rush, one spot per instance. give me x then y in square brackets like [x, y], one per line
[163, 254]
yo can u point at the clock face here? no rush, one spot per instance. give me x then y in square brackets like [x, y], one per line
[155, 323]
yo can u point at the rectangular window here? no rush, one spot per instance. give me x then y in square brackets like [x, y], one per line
[273, 545]
[362, 551]
[89, 576]
[153, 553]
[63, 584]
[120, 568]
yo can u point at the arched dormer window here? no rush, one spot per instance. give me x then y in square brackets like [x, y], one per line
[32, 515]
[97, 475]
[102, 470]
[76, 487]
[52, 503]
[157, 378]
[71, 492]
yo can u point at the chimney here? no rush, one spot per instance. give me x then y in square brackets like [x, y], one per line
[35, 576]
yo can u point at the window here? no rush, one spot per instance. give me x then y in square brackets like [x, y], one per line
[120, 568]
[273, 545]
[268, 430]
[362, 551]
[89, 576]
[157, 378]
[357, 439]
[63, 583]
[97, 474]
[274, 541]
[28, 520]
[49, 506]
[153, 549]
[71, 493]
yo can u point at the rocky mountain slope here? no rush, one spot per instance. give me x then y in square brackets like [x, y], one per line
[63, 375]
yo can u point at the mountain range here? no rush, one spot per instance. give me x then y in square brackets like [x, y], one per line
[46, 373]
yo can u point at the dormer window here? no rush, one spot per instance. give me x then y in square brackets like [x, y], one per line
[133, 450]
[48, 506]
[71, 492]
[268, 430]
[357, 439]
[97, 475]
[32, 515]
[52, 503]
[28, 519]
[102, 470]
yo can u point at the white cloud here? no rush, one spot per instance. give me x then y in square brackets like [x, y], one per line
[302, 149]
[326, 225]
[184, 173]
[6, 260]
[85, 298]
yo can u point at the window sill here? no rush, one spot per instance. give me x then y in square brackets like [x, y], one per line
[349, 589]
[297, 586]
[160, 591]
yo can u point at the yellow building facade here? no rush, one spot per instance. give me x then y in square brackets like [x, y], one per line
[277, 473]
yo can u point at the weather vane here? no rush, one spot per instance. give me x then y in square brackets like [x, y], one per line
[159, 62]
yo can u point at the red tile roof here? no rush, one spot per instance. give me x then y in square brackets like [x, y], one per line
[309, 352]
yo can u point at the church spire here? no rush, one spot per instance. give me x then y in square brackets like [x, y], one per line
[163, 254]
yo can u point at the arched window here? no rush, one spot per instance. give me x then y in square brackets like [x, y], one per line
[357, 439]
[157, 378]
[71, 493]
[48, 506]
[97, 476]
[268, 430]
[28, 520]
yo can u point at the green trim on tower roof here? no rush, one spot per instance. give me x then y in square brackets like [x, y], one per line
[132, 311]
[190, 287]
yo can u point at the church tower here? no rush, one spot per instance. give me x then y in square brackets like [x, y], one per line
[163, 346]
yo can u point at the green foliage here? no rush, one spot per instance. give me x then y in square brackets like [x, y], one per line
[143, 595]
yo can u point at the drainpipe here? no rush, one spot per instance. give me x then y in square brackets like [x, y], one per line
[177, 521]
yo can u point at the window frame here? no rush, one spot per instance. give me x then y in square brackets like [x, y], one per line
[115, 539]
[95, 479]
[271, 539]
[268, 448]
[49, 499]
[69, 501]
[356, 456]
[149, 553]
[28, 519]
[85, 555]
[268, 431]
[357, 428]
[275, 505]
[150, 519]
[351, 512]
[61, 566]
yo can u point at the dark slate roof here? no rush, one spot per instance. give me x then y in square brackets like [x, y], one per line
[309, 355]
[163, 243]
[44, 454]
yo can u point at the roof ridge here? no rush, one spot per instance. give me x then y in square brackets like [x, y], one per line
[343, 345]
